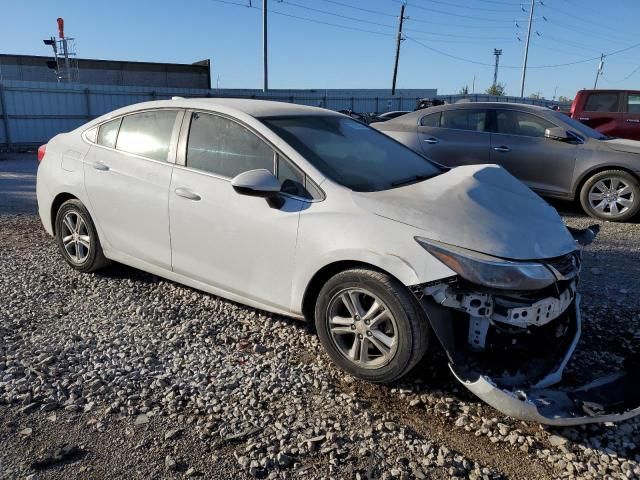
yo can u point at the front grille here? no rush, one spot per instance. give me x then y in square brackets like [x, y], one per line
[568, 266]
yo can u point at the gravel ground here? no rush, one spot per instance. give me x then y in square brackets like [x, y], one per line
[124, 374]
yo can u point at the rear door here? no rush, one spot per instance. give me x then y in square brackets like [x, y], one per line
[631, 128]
[519, 145]
[127, 174]
[603, 112]
[455, 137]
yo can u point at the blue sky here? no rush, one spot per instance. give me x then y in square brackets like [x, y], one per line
[305, 54]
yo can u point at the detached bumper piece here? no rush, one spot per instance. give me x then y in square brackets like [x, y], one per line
[519, 385]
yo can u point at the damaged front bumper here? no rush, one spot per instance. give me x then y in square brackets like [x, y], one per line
[518, 383]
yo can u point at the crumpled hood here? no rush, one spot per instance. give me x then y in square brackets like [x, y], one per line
[623, 145]
[478, 207]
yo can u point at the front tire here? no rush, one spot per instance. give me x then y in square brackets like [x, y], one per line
[77, 237]
[611, 195]
[371, 325]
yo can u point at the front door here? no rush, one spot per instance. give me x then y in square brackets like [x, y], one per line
[127, 175]
[455, 137]
[234, 242]
[519, 145]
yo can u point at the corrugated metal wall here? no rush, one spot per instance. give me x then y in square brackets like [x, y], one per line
[33, 112]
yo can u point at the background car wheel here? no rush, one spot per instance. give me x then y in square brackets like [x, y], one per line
[611, 195]
[371, 325]
[77, 237]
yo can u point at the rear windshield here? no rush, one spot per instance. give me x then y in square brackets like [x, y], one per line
[352, 153]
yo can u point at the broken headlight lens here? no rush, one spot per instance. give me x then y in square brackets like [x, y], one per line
[489, 271]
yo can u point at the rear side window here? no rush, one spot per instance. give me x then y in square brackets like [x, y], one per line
[432, 120]
[108, 133]
[633, 103]
[512, 122]
[225, 148]
[602, 102]
[464, 119]
[147, 134]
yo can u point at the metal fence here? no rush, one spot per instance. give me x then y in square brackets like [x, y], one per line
[33, 112]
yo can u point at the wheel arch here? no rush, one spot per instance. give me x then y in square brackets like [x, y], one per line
[318, 280]
[56, 204]
[600, 168]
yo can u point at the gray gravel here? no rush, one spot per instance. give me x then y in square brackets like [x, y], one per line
[121, 373]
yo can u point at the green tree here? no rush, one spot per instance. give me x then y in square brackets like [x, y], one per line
[496, 89]
[464, 90]
[535, 96]
[563, 99]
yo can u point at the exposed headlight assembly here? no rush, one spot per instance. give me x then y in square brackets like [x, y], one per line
[489, 271]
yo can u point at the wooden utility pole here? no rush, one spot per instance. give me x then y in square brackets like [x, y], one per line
[599, 71]
[526, 49]
[399, 39]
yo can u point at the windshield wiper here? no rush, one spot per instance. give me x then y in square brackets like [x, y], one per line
[407, 181]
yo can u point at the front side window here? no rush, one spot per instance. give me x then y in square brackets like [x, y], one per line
[147, 134]
[512, 122]
[351, 153]
[602, 102]
[108, 133]
[633, 104]
[464, 119]
[226, 148]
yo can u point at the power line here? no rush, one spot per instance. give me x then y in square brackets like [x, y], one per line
[578, 18]
[325, 12]
[375, 12]
[635, 70]
[458, 15]
[467, 60]
[312, 20]
[415, 39]
[346, 17]
[467, 7]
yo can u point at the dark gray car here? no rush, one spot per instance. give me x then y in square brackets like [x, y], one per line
[553, 154]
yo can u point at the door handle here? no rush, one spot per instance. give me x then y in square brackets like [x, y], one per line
[632, 120]
[502, 149]
[100, 166]
[584, 119]
[431, 140]
[188, 194]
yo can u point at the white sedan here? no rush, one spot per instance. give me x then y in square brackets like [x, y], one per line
[310, 214]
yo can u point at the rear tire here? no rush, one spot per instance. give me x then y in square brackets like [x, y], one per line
[371, 325]
[612, 195]
[77, 237]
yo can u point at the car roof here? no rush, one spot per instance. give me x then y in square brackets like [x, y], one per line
[412, 117]
[248, 106]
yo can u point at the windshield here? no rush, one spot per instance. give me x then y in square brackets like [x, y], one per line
[580, 128]
[352, 153]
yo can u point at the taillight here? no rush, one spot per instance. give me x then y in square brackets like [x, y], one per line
[42, 149]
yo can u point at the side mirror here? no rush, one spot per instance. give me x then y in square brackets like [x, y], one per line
[259, 183]
[557, 133]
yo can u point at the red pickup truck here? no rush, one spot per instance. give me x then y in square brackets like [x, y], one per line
[615, 113]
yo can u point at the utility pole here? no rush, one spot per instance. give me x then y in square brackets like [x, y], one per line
[395, 68]
[526, 49]
[265, 71]
[599, 71]
[497, 52]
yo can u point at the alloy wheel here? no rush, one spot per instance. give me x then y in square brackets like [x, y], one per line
[611, 196]
[75, 237]
[362, 327]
